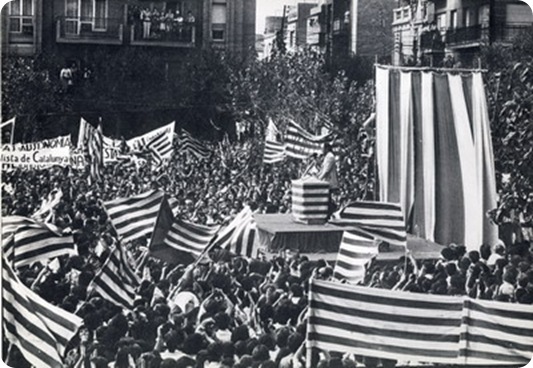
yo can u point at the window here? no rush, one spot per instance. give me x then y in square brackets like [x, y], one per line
[218, 34]
[468, 15]
[85, 15]
[441, 21]
[453, 23]
[21, 16]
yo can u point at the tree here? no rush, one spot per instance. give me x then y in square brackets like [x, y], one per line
[510, 85]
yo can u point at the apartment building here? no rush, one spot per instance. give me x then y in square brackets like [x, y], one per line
[430, 30]
[169, 27]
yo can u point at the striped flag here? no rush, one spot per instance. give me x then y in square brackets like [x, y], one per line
[32, 242]
[274, 152]
[384, 221]
[116, 281]
[496, 333]
[192, 146]
[46, 211]
[178, 241]
[40, 330]
[384, 324]
[239, 235]
[300, 144]
[190, 238]
[355, 252]
[10, 224]
[91, 141]
[160, 148]
[134, 217]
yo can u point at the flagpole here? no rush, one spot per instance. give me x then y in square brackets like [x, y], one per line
[12, 136]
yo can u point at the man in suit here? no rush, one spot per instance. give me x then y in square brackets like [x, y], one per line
[329, 173]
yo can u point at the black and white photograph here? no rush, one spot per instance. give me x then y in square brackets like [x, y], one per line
[266, 183]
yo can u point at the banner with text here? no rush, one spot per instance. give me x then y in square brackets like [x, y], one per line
[42, 154]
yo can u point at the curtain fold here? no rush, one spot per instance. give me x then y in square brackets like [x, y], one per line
[428, 155]
[467, 162]
[434, 154]
[382, 130]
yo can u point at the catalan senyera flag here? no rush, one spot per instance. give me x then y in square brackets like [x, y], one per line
[384, 221]
[239, 235]
[384, 324]
[301, 144]
[116, 281]
[178, 241]
[192, 146]
[29, 241]
[40, 330]
[356, 250]
[134, 217]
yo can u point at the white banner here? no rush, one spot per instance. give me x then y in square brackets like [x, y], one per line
[42, 154]
[137, 143]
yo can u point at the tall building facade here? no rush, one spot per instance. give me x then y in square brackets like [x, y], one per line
[433, 32]
[170, 27]
[352, 27]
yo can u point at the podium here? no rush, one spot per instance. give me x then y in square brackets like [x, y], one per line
[310, 201]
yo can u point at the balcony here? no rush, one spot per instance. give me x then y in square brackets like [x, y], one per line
[476, 35]
[106, 31]
[431, 41]
[171, 35]
[466, 36]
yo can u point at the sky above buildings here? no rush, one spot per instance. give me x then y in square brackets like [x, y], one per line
[272, 7]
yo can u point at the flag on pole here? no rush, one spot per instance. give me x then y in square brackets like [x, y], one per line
[274, 152]
[384, 221]
[192, 146]
[383, 323]
[356, 250]
[239, 235]
[134, 217]
[300, 144]
[91, 142]
[9, 123]
[40, 330]
[32, 242]
[178, 241]
[116, 281]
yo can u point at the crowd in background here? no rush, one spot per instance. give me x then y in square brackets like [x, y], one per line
[228, 311]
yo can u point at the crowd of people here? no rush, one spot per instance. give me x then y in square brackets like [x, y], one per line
[162, 24]
[227, 311]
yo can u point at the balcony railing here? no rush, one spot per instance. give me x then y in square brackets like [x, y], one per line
[465, 35]
[169, 35]
[478, 34]
[89, 30]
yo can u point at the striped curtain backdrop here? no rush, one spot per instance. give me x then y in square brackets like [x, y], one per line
[434, 153]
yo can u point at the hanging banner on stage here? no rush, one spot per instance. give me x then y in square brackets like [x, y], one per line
[39, 155]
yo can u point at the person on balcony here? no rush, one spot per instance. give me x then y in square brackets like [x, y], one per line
[178, 23]
[146, 18]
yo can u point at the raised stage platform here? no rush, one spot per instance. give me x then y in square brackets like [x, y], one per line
[278, 232]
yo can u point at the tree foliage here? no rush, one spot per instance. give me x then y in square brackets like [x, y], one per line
[510, 85]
